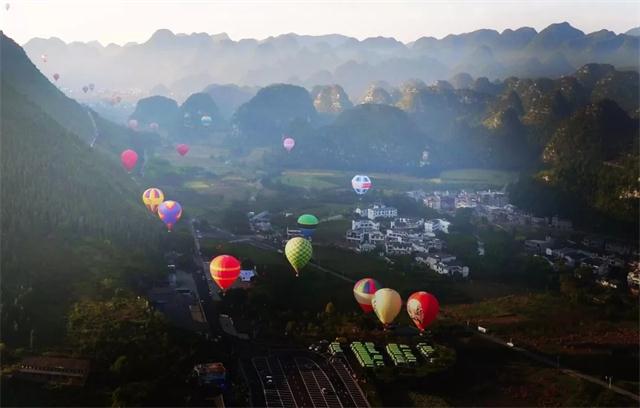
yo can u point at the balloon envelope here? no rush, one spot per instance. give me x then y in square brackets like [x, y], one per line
[56, 76]
[129, 158]
[361, 184]
[307, 224]
[289, 143]
[85, 89]
[170, 212]
[154, 126]
[206, 120]
[133, 124]
[386, 304]
[298, 251]
[423, 308]
[152, 198]
[182, 149]
[224, 270]
[363, 291]
[92, 87]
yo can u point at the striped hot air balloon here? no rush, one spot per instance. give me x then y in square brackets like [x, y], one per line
[224, 270]
[307, 224]
[298, 251]
[152, 198]
[170, 212]
[361, 184]
[363, 290]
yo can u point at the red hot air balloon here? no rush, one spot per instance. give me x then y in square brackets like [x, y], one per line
[133, 124]
[224, 270]
[423, 308]
[129, 158]
[56, 76]
[182, 149]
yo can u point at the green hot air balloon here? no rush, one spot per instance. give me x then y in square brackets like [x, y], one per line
[298, 251]
[307, 224]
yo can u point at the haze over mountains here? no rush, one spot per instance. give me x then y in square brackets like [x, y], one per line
[183, 64]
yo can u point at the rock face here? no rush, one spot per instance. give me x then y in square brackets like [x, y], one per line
[330, 99]
[272, 111]
[378, 95]
[159, 109]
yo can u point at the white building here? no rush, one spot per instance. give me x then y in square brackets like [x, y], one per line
[381, 211]
[365, 225]
[437, 224]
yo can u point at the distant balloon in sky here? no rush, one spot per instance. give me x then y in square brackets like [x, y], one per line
[363, 291]
[56, 76]
[206, 121]
[92, 87]
[298, 251]
[224, 270]
[170, 212]
[129, 158]
[85, 89]
[361, 184]
[154, 126]
[289, 143]
[118, 99]
[132, 124]
[423, 308]
[182, 149]
[152, 198]
[386, 304]
[7, 6]
[43, 57]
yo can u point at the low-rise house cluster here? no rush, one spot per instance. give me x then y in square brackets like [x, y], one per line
[260, 222]
[444, 264]
[451, 200]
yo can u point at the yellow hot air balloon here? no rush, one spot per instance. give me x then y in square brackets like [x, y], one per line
[386, 304]
[298, 251]
[152, 198]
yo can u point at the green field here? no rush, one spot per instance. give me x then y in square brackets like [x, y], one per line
[330, 179]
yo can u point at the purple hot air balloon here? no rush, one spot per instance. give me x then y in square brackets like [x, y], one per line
[170, 212]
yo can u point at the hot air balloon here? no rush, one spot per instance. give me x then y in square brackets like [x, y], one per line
[7, 6]
[206, 121]
[423, 308]
[361, 184]
[363, 290]
[224, 270]
[152, 198]
[170, 212]
[298, 251]
[289, 143]
[182, 149]
[85, 89]
[118, 99]
[43, 57]
[56, 76]
[92, 86]
[129, 158]
[154, 126]
[386, 304]
[132, 124]
[307, 224]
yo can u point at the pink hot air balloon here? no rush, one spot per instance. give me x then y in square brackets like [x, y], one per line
[154, 126]
[182, 149]
[133, 124]
[56, 76]
[289, 143]
[129, 158]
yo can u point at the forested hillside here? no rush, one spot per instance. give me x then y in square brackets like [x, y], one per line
[72, 224]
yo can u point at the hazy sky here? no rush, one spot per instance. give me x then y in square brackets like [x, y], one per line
[123, 21]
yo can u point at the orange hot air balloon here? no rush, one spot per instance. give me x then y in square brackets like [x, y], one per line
[423, 308]
[224, 270]
[182, 149]
[129, 158]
